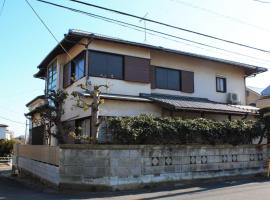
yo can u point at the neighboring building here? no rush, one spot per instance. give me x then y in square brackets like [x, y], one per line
[265, 98]
[35, 123]
[144, 79]
[253, 94]
[5, 134]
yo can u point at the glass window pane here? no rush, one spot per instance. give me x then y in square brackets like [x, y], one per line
[52, 77]
[98, 64]
[106, 65]
[114, 67]
[173, 80]
[221, 84]
[161, 78]
[79, 67]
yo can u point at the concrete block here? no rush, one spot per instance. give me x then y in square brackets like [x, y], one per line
[73, 170]
[95, 172]
[96, 162]
[119, 153]
[135, 153]
[101, 153]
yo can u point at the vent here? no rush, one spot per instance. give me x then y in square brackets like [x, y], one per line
[233, 98]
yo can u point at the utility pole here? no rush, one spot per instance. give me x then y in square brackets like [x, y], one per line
[25, 135]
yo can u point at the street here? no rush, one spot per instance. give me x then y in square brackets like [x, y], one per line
[246, 188]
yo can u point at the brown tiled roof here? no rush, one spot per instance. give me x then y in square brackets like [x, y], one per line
[195, 104]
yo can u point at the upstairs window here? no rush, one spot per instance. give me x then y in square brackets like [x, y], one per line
[51, 78]
[78, 66]
[74, 70]
[106, 65]
[167, 78]
[221, 85]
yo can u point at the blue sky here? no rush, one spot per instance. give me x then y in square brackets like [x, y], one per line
[25, 42]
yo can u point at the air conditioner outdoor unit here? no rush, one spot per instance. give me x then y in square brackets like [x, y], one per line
[233, 98]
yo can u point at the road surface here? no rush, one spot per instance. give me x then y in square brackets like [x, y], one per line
[246, 189]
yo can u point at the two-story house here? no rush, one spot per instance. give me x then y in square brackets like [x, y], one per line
[144, 79]
[5, 134]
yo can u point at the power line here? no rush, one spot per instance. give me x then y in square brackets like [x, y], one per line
[143, 28]
[240, 21]
[168, 25]
[261, 1]
[2, 7]
[48, 29]
[11, 120]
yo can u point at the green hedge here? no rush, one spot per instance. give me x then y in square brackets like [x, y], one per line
[147, 129]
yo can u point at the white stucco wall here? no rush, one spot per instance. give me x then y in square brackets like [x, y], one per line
[205, 73]
[112, 108]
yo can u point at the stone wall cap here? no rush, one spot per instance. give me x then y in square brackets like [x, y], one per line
[119, 147]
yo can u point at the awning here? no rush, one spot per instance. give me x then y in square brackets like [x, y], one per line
[198, 104]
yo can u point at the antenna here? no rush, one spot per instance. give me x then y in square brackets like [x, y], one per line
[144, 22]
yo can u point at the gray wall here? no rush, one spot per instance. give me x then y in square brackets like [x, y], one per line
[47, 172]
[121, 166]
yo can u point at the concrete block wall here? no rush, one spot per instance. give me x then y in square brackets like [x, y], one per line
[47, 172]
[119, 166]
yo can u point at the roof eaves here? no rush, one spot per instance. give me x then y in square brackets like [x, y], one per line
[36, 98]
[82, 34]
[258, 69]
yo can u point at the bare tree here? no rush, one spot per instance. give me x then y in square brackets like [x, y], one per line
[52, 112]
[81, 101]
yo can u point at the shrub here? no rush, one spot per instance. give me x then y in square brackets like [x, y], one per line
[146, 129]
[6, 147]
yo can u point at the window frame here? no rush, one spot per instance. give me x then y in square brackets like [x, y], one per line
[82, 54]
[224, 82]
[108, 53]
[170, 69]
[73, 68]
[81, 120]
[49, 79]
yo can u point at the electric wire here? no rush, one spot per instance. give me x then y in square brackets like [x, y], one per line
[12, 120]
[147, 29]
[168, 25]
[47, 27]
[213, 12]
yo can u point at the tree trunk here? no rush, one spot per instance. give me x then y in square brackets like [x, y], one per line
[95, 116]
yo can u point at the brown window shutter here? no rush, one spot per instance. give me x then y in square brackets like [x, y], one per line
[137, 69]
[153, 77]
[187, 81]
[67, 75]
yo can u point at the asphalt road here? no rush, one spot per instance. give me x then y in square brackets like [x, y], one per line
[246, 189]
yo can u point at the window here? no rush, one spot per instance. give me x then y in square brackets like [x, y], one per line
[74, 70]
[78, 66]
[51, 78]
[82, 127]
[221, 84]
[106, 65]
[167, 79]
